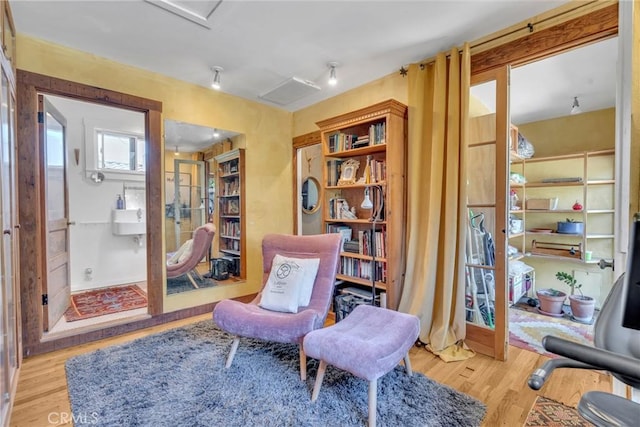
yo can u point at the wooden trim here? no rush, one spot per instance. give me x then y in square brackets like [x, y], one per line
[298, 142]
[155, 218]
[380, 109]
[311, 138]
[69, 89]
[30, 189]
[70, 341]
[597, 25]
[539, 22]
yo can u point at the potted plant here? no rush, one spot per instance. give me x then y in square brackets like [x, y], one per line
[551, 301]
[582, 307]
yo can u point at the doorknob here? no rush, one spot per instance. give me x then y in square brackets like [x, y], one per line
[71, 223]
[603, 263]
[8, 232]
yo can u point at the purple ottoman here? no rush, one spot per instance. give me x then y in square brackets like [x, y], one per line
[368, 343]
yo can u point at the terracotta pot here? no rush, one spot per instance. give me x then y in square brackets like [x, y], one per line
[582, 307]
[551, 302]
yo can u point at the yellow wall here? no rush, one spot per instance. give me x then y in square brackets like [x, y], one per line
[267, 133]
[590, 131]
[393, 86]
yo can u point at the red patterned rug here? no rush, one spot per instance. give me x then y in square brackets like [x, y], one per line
[105, 301]
[527, 329]
[549, 413]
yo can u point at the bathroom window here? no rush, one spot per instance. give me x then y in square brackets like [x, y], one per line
[119, 151]
[115, 147]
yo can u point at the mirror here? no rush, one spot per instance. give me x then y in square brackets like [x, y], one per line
[310, 195]
[308, 176]
[189, 188]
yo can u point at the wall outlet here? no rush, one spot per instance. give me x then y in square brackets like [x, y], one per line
[88, 274]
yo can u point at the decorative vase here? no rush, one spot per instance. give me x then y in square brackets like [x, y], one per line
[582, 308]
[577, 206]
[551, 301]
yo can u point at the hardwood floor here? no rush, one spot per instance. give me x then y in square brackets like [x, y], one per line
[42, 398]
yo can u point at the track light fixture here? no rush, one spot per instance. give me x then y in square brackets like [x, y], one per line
[332, 73]
[216, 134]
[175, 153]
[216, 77]
[575, 108]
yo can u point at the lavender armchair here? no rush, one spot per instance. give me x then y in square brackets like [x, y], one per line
[250, 320]
[202, 238]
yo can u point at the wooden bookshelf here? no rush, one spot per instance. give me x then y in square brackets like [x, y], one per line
[374, 136]
[230, 192]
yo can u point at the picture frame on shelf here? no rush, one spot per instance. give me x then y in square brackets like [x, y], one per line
[348, 172]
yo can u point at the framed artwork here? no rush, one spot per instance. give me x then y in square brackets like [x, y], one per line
[348, 172]
[184, 192]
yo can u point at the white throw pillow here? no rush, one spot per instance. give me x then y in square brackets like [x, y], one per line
[282, 289]
[182, 254]
[310, 269]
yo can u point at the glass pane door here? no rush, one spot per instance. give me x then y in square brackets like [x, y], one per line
[487, 188]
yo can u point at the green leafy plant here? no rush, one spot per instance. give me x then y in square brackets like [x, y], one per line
[570, 280]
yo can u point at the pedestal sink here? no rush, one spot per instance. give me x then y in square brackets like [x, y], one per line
[127, 222]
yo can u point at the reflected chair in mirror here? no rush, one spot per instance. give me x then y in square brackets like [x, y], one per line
[252, 321]
[202, 238]
[617, 349]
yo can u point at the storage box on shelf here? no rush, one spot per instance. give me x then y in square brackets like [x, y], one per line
[364, 158]
[231, 211]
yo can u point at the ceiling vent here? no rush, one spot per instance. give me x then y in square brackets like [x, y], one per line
[198, 12]
[290, 90]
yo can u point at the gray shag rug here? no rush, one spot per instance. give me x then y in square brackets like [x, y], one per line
[177, 378]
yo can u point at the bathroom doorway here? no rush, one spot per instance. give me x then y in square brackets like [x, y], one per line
[95, 194]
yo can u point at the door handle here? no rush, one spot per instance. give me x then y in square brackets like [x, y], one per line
[71, 223]
[7, 232]
[603, 263]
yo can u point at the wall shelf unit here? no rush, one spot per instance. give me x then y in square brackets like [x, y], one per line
[364, 152]
[230, 191]
[593, 188]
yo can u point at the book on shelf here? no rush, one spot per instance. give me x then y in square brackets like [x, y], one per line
[377, 133]
[344, 230]
[341, 141]
[334, 168]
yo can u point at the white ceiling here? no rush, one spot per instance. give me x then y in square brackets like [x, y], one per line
[262, 43]
[545, 89]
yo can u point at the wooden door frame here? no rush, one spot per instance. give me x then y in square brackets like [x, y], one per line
[591, 27]
[30, 204]
[302, 141]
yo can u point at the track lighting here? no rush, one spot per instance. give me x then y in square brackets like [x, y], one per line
[216, 134]
[216, 77]
[575, 108]
[176, 152]
[332, 73]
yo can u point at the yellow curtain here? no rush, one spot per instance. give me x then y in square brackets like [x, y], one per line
[434, 277]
